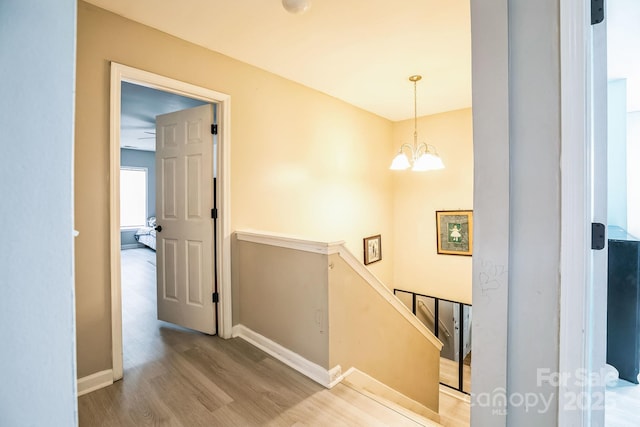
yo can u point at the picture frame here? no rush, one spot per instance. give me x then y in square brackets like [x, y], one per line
[372, 249]
[454, 230]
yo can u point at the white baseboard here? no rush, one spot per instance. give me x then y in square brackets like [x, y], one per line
[317, 373]
[455, 394]
[390, 398]
[95, 381]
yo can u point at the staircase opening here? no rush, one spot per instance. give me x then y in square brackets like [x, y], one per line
[450, 322]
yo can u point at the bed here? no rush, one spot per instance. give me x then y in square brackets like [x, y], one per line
[147, 235]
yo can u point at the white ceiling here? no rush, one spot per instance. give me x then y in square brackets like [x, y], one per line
[363, 51]
[360, 51]
[139, 107]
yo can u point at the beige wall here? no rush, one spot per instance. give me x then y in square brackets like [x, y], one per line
[417, 196]
[319, 307]
[302, 162]
[282, 295]
[378, 341]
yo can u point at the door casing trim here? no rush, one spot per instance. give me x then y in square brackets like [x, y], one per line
[120, 73]
[582, 296]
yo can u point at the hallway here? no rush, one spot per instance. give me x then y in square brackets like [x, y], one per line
[177, 377]
[191, 380]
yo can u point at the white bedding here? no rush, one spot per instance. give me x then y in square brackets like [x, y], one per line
[146, 236]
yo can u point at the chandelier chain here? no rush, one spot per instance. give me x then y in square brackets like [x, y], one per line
[415, 113]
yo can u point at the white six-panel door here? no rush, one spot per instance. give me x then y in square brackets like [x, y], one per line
[184, 180]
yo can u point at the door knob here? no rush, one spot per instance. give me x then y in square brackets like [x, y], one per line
[158, 228]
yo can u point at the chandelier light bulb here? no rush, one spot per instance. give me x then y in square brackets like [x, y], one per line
[400, 162]
[296, 7]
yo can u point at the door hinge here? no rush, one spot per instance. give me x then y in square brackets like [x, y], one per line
[597, 236]
[214, 213]
[215, 297]
[214, 129]
[597, 11]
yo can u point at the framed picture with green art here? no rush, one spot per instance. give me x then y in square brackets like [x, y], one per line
[455, 232]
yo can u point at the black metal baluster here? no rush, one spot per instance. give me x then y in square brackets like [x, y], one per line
[436, 314]
[461, 349]
[436, 327]
[413, 302]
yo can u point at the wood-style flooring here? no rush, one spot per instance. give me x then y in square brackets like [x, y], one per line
[449, 374]
[455, 409]
[177, 377]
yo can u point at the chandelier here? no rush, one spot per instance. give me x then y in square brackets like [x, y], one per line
[423, 156]
[297, 7]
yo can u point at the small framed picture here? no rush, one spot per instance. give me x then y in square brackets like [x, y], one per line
[372, 249]
[455, 232]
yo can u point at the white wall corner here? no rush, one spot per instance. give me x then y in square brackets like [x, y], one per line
[324, 377]
[95, 382]
[335, 376]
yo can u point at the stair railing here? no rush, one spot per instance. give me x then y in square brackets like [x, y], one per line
[440, 328]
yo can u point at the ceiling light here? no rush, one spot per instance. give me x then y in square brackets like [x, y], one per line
[296, 6]
[423, 157]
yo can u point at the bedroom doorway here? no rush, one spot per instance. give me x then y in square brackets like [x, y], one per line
[185, 245]
[137, 97]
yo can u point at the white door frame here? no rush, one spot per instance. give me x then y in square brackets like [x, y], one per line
[120, 73]
[578, 346]
[583, 308]
[582, 298]
[575, 218]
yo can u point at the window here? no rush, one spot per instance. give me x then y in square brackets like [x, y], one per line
[133, 197]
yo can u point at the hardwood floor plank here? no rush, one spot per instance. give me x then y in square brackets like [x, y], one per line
[147, 410]
[381, 413]
[90, 404]
[454, 411]
[257, 393]
[118, 407]
[185, 402]
[328, 408]
[228, 415]
[192, 374]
